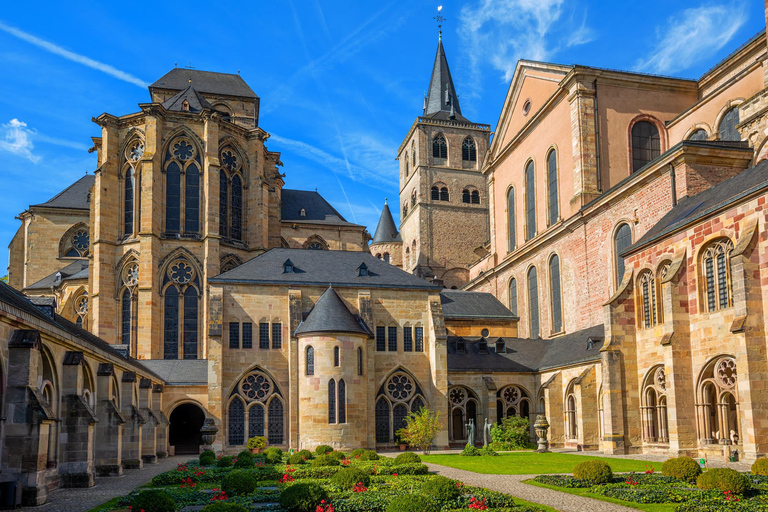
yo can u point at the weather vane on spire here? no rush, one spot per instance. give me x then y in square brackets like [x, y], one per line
[440, 19]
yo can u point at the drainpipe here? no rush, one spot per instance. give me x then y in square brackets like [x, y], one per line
[597, 141]
[673, 184]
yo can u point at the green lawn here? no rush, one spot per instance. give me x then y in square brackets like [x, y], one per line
[648, 507]
[531, 463]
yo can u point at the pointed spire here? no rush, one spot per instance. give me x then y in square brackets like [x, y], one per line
[331, 315]
[386, 231]
[441, 96]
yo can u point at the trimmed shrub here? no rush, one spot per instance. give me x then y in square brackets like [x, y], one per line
[405, 469]
[407, 458]
[595, 471]
[760, 467]
[682, 468]
[273, 455]
[441, 489]
[306, 454]
[244, 460]
[220, 506]
[488, 451]
[470, 451]
[412, 503]
[297, 458]
[369, 455]
[225, 462]
[302, 497]
[207, 458]
[238, 482]
[513, 433]
[723, 479]
[356, 453]
[153, 501]
[325, 460]
[347, 478]
[323, 449]
[337, 455]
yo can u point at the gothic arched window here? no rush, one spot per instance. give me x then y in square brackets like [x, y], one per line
[511, 227]
[258, 393]
[513, 296]
[653, 408]
[231, 194]
[716, 267]
[571, 412]
[81, 310]
[128, 306]
[236, 420]
[182, 167]
[360, 361]
[554, 206]
[468, 150]
[128, 203]
[342, 401]
[310, 360]
[699, 134]
[75, 243]
[439, 147]
[622, 239]
[533, 302]
[717, 404]
[223, 204]
[400, 395]
[133, 153]
[646, 287]
[646, 144]
[331, 401]
[556, 293]
[728, 125]
[530, 201]
[181, 304]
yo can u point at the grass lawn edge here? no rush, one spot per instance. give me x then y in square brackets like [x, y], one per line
[647, 507]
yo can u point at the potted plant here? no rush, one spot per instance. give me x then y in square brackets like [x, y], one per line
[257, 443]
[400, 437]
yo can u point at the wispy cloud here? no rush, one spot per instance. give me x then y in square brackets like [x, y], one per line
[60, 142]
[500, 32]
[17, 139]
[74, 57]
[692, 35]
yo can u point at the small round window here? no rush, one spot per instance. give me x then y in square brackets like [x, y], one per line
[484, 333]
[526, 107]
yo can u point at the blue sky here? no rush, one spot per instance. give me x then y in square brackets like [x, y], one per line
[340, 82]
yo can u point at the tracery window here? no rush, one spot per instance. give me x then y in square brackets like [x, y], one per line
[646, 144]
[134, 151]
[571, 412]
[533, 302]
[555, 291]
[182, 167]
[727, 129]
[512, 401]
[622, 239]
[717, 406]
[81, 310]
[463, 406]
[646, 287]
[398, 396]
[554, 201]
[257, 393]
[530, 201]
[129, 306]
[236, 422]
[231, 194]
[468, 150]
[716, 266]
[439, 147]
[76, 243]
[511, 227]
[181, 291]
[653, 408]
[699, 134]
[662, 274]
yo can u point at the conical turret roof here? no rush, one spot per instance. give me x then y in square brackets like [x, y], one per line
[331, 315]
[195, 101]
[386, 230]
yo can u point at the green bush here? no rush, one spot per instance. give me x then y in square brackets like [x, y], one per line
[356, 453]
[441, 489]
[337, 455]
[595, 471]
[723, 479]
[369, 455]
[562, 481]
[513, 433]
[488, 451]
[306, 454]
[347, 478]
[220, 506]
[207, 458]
[405, 469]
[760, 467]
[412, 503]
[297, 458]
[225, 462]
[323, 449]
[153, 501]
[682, 468]
[273, 455]
[325, 460]
[244, 460]
[470, 451]
[238, 482]
[306, 471]
[407, 458]
[302, 497]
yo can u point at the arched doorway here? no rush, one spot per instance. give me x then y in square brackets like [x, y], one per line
[184, 431]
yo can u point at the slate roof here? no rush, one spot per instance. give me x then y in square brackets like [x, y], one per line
[78, 269]
[386, 230]
[18, 300]
[331, 315]
[318, 210]
[466, 305]
[322, 268]
[74, 197]
[527, 355]
[180, 371]
[439, 82]
[196, 102]
[692, 208]
[209, 82]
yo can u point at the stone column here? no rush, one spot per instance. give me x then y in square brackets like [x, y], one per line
[586, 391]
[161, 437]
[132, 428]
[76, 464]
[582, 97]
[149, 430]
[294, 372]
[215, 369]
[109, 429]
[28, 420]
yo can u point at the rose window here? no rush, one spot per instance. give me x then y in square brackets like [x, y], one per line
[81, 241]
[82, 306]
[457, 396]
[136, 151]
[229, 160]
[511, 395]
[256, 386]
[183, 150]
[725, 373]
[661, 379]
[400, 387]
[131, 277]
[181, 273]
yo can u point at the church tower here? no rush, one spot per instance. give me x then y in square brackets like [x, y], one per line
[387, 244]
[443, 194]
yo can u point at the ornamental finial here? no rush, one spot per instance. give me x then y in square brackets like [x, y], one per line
[440, 19]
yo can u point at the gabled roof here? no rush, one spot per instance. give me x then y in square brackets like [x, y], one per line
[692, 208]
[180, 371]
[322, 268]
[386, 231]
[317, 209]
[459, 304]
[76, 270]
[74, 197]
[194, 100]
[206, 82]
[441, 98]
[331, 315]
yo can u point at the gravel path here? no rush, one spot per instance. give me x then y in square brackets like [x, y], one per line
[81, 500]
[513, 485]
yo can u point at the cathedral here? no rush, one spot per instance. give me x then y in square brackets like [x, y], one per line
[598, 259]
